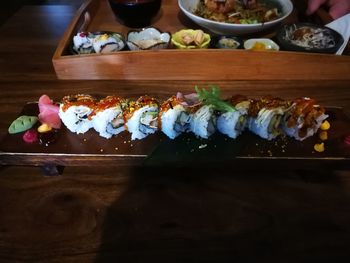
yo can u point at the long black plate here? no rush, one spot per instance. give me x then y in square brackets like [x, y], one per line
[247, 150]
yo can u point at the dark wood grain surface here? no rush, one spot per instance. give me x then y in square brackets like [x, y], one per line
[139, 214]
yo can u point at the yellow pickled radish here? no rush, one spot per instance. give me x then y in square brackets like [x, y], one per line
[323, 135]
[325, 126]
[319, 147]
[44, 128]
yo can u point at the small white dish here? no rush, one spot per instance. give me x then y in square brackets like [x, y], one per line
[261, 44]
[148, 39]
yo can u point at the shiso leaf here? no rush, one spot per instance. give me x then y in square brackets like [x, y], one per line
[212, 97]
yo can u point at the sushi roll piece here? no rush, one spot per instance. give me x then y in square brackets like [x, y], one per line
[108, 117]
[141, 117]
[233, 123]
[303, 118]
[203, 121]
[107, 42]
[82, 43]
[174, 118]
[76, 112]
[265, 116]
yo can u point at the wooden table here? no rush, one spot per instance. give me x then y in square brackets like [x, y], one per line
[135, 214]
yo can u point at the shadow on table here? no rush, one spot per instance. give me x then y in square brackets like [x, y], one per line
[219, 215]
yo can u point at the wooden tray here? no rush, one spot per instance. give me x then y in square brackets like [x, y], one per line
[171, 64]
[90, 149]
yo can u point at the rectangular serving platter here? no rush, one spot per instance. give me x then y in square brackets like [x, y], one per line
[247, 151]
[174, 64]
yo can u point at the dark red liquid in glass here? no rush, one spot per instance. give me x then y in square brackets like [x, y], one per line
[135, 13]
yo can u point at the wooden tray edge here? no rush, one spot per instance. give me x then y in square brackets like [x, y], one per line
[139, 65]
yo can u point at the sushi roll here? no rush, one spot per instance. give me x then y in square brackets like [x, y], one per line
[233, 123]
[76, 112]
[265, 117]
[303, 118]
[107, 42]
[141, 117]
[82, 43]
[203, 121]
[108, 117]
[174, 119]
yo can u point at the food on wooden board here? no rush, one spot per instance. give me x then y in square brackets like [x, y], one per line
[108, 117]
[202, 113]
[304, 118]
[141, 117]
[97, 42]
[48, 112]
[233, 123]
[175, 116]
[76, 112]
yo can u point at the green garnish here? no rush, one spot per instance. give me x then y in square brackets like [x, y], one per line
[213, 98]
[22, 124]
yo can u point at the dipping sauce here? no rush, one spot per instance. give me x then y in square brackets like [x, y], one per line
[135, 13]
[48, 138]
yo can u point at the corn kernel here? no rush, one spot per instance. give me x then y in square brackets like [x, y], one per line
[44, 128]
[325, 126]
[319, 147]
[323, 135]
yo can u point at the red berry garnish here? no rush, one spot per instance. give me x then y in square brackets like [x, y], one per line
[30, 136]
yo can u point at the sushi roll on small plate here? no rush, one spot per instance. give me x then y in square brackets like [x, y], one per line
[108, 117]
[76, 112]
[174, 118]
[105, 42]
[141, 117]
[303, 118]
[148, 39]
[265, 116]
[233, 123]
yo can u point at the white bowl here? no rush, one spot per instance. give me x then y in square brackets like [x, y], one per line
[147, 39]
[222, 28]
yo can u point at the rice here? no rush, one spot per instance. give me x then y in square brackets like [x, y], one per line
[135, 126]
[103, 122]
[231, 123]
[310, 131]
[175, 121]
[76, 118]
[102, 41]
[267, 123]
[203, 122]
